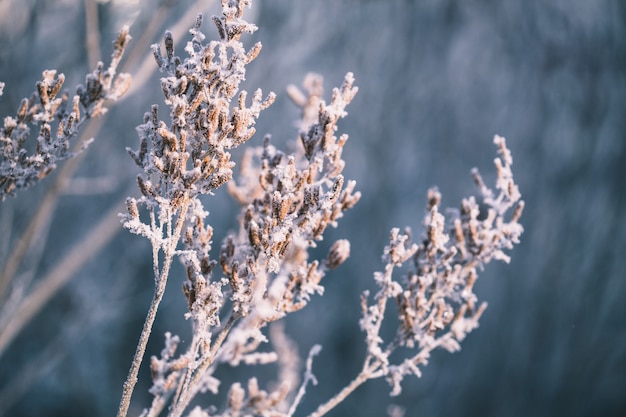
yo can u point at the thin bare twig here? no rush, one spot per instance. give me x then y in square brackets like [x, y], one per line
[341, 395]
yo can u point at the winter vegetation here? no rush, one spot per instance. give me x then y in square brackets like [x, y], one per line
[264, 270]
[242, 273]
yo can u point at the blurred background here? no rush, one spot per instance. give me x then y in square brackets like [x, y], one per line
[437, 79]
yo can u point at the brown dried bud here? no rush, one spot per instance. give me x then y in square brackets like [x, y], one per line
[56, 85]
[285, 205]
[70, 123]
[156, 51]
[473, 231]
[76, 108]
[348, 199]
[61, 129]
[518, 212]
[189, 292]
[46, 134]
[313, 276]
[253, 52]
[234, 276]
[169, 45]
[188, 236]
[460, 237]
[433, 198]
[226, 254]
[169, 138]
[177, 199]
[158, 164]
[21, 113]
[131, 205]
[43, 93]
[336, 189]
[253, 235]
[220, 27]
[206, 265]
[339, 252]
[236, 396]
[145, 187]
[154, 115]
[219, 179]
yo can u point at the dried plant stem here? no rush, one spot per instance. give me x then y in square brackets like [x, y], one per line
[92, 38]
[368, 371]
[38, 224]
[160, 284]
[131, 380]
[308, 377]
[45, 209]
[190, 390]
[76, 257]
[343, 394]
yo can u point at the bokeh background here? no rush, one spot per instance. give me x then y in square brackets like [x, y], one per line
[437, 80]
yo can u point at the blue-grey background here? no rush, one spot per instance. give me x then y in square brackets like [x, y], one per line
[437, 80]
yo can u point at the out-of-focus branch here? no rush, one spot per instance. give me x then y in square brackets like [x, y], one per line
[75, 258]
[92, 38]
[45, 209]
[44, 362]
[147, 67]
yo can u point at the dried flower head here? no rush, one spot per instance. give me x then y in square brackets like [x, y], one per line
[20, 169]
[436, 303]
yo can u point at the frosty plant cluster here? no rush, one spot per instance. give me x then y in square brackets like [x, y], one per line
[47, 106]
[264, 269]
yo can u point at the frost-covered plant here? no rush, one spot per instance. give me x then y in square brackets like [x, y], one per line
[20, 165]
[265, 269]
[287, 199]
[436, 305]
[297, 197]
[189, 157]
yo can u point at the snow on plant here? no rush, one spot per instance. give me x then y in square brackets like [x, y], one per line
[287, 201]
[264, 269]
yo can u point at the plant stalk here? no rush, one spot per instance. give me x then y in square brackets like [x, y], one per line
[159, 291]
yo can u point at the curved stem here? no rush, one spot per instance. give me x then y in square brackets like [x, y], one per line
[343, 394]
[161, 281]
